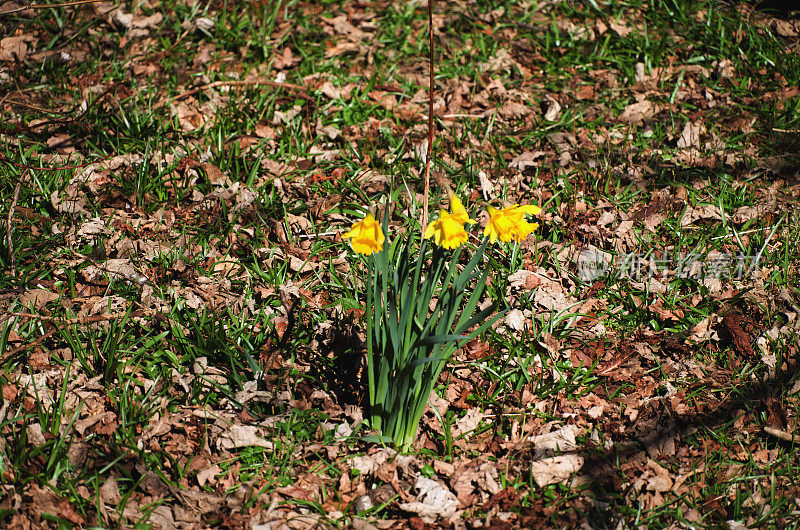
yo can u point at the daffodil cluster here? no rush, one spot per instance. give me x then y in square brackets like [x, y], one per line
[505, 224]
[422, 302]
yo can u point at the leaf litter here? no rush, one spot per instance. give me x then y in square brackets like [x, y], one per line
[565, 437]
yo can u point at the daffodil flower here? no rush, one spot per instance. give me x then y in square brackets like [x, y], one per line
[459, 213]
[509, 223]
[366, 235]
[448, 231]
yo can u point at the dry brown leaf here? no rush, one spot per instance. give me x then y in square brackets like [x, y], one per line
[690, 135]
[636, 113]
[15, 48]
[466, 425]
[561, 440]
[556, 469]
[620, 29]
[513, 110]
[433, 501]
[553, 108]
[45, 500]
[37, 298]
[239, 436]
[515, 320]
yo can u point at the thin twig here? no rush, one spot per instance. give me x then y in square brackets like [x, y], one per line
[36, 342]
[452, 116]
[34, 316]
[57, 168]
[69, 121]
[427, 185]
[9, 225]
[783, 435]
[214, 84]
[741, 233]
[136, 278]
[39, 109]
[147, 55]
[616, 364]
[46, 6]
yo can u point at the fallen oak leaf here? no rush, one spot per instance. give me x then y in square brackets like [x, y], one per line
[433, 501]
[561, 440]
[239, 436]
[555, 469]
[45, 501]
[15, 48]
[636, 113]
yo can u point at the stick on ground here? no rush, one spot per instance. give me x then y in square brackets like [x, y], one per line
[9, 224]
[427, 185]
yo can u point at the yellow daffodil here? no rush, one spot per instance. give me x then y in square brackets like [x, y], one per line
[459, 213]
[509, 223]
[448, 231]
[366, 235]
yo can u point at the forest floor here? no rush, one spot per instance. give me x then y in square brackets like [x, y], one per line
[181, 331]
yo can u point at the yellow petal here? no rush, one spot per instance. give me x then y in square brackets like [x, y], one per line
[509, 223]
[459, 212]
[530, 209]
[366, 235]
[429, 231]
[447, 231]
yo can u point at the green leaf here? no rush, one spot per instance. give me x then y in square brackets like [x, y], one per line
[440, 339]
